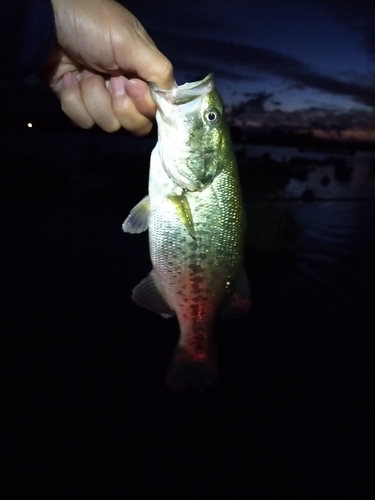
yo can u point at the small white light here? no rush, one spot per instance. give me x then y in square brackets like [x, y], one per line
[30, 125]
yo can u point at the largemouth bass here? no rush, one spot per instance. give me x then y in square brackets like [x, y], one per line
[196, 224]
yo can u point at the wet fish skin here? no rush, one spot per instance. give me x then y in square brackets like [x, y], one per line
[196, 226]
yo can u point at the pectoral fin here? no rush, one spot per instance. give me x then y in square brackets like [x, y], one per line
[137, 221]
[240, 301]
[183, 210]
[146, 294]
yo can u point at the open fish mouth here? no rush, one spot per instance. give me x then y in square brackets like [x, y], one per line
[186, 92]
[183, 95]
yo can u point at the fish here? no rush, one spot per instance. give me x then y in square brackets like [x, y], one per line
[196, 222]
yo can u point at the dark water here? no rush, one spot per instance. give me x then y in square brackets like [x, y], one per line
[85, 404]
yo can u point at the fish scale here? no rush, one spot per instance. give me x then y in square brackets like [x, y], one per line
[196, 227]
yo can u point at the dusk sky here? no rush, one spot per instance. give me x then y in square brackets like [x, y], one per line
[307, 65]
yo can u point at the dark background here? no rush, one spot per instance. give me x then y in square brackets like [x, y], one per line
[85, 407]
[85, 402]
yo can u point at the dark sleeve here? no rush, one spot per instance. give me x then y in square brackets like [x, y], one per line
[27, 35]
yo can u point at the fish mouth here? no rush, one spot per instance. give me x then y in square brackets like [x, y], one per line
[181, 94]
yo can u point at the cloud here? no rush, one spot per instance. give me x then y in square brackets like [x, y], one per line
[352, 123]
[200, 37]
[254, 105]
[236, 61]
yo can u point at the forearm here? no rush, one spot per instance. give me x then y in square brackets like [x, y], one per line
[27, 35]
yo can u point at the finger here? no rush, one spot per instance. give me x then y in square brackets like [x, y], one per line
[153, 66]
[139, 93]
[98, 101]
[138, 54]
[140, 57]
[140, 30]
[72, 102]
[125, 110]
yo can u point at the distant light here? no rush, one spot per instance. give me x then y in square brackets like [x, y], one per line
[30, 125]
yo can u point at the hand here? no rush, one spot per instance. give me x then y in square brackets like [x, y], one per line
[101, 64]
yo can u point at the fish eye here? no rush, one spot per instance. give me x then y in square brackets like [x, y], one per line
[212, 116]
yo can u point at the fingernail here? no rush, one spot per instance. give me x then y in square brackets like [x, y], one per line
[139, 92]
[134, 89]
[117, 85]
[69, 79]
[85, 74]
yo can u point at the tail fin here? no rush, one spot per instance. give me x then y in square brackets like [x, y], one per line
[191, 370]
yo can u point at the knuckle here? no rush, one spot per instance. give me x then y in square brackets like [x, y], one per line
[68, 97]
[85, 124]
[141, 130]
[109, 125]
[92, 81]
[112, 127]
[81, 119]
[122, 107]
[166, 69]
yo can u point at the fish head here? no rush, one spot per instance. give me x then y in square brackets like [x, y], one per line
[190, 129]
